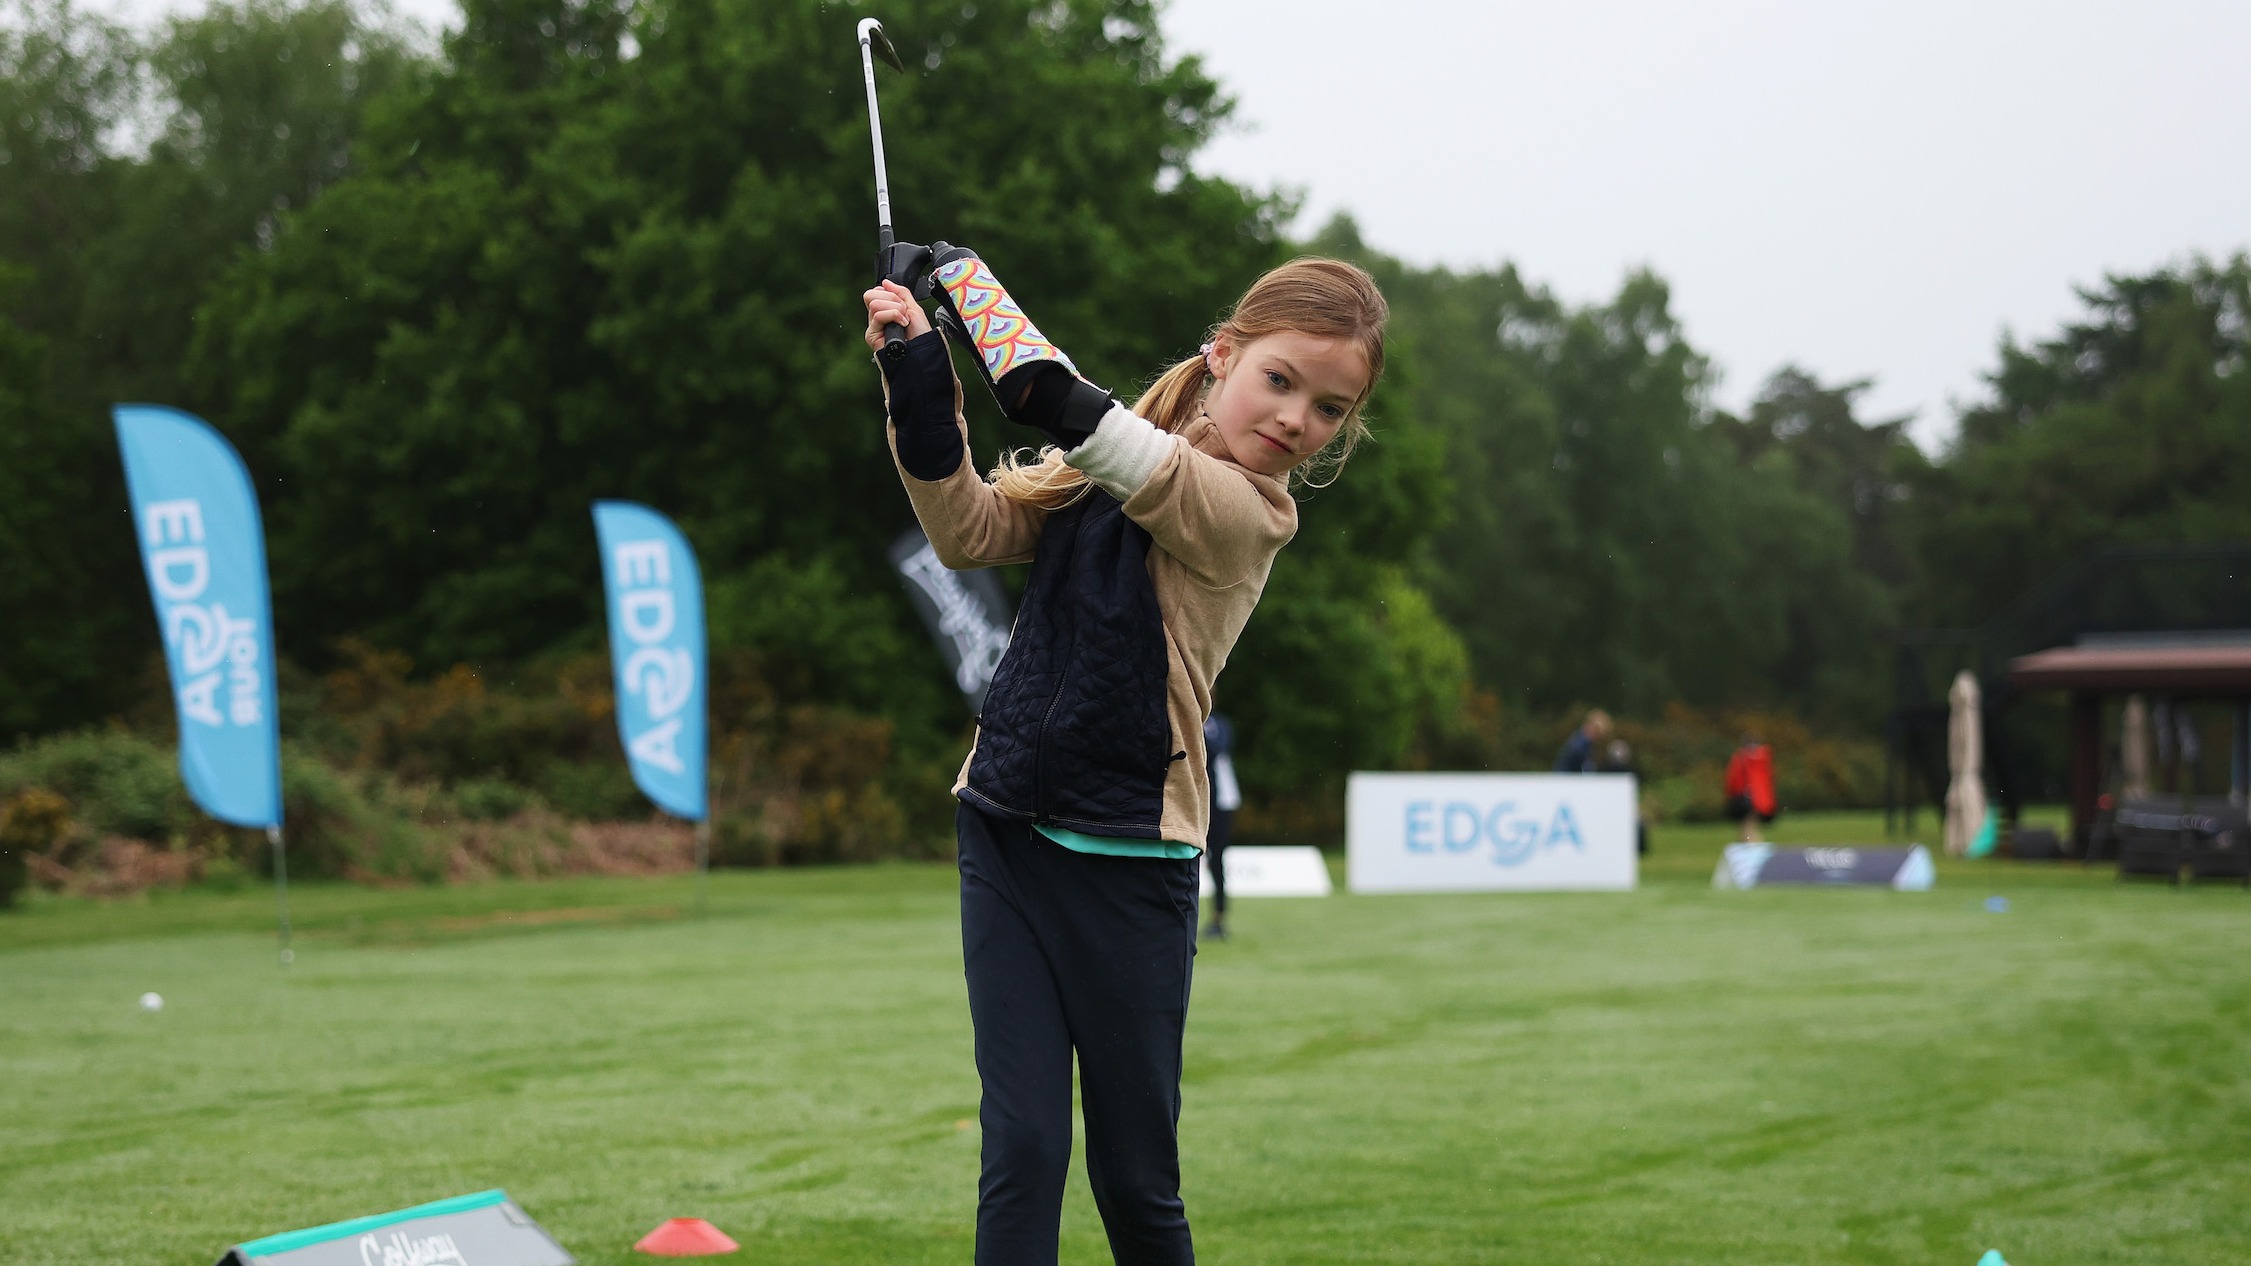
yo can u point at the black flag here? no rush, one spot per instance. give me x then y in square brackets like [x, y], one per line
[966, 612]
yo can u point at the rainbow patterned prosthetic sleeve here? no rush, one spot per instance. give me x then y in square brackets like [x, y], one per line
[1004, 337]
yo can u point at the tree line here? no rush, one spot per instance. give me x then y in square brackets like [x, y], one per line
[444, 293]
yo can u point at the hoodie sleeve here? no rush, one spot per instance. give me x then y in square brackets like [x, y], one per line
[1221, 521]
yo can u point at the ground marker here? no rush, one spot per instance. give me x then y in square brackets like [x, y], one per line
[686, 1237]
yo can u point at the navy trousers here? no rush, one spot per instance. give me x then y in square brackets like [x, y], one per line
[1215, 851]
[1076, 952]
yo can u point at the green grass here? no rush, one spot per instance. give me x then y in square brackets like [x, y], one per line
[1672, 1076]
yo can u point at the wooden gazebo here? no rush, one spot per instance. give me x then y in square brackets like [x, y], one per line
[2190, 669]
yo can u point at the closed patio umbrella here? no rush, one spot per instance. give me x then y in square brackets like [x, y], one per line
[2133, 750]
[1965, 760]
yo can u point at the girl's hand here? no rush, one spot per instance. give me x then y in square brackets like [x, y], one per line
[892, 304]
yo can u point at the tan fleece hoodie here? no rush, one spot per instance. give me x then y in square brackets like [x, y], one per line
[1216, 527]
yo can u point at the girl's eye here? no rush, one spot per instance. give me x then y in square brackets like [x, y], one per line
[1332, 412]
[1277, 381]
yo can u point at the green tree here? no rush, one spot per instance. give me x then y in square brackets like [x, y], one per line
[1607, 538]
[1867, 469]
[106, 255]
[66, 86]
[53, 616]
[582, 264]
[2132, 425]
[260, 102]
[601, 256]
[1855, 478]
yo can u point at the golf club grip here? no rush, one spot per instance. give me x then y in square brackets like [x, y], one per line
[894, 341]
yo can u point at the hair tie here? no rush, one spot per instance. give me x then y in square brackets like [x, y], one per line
[1210, 370]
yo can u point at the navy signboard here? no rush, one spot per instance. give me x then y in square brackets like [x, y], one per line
[485, 1229]
[966, 612]
[1757, 865]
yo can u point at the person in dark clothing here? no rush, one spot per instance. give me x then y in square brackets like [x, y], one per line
[1226, 797]
[1618, 758]
[1085, 800]
[1582, 752]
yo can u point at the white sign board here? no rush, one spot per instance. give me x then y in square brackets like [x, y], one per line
[1489, 832]
[1282, 870]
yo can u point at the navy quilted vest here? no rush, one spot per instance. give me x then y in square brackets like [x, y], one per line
[1075, 731]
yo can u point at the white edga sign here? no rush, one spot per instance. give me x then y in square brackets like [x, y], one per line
[1489, 832]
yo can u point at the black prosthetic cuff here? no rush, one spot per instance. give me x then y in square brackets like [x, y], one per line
[922, 408]
[1062, 405]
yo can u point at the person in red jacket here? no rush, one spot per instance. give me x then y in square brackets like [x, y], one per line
[1750, 787]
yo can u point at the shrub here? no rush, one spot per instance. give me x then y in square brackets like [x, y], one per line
[1683, 754]
[815, 785]
[1680, 755]
[12, 872]
[31, 822]
[491, 800]
[114, 783]
[593, 792]
[346, 825]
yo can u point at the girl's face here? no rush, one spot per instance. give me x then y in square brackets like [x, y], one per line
[1279, 398]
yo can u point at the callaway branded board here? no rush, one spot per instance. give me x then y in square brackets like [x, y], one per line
[1762, 865]
[484, 1229]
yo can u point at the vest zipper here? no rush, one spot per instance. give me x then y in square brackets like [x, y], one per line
[1039, 750]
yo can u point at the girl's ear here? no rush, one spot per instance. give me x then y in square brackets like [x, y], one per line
[1218, 354]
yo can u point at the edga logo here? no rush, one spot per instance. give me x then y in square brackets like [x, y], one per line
[207, 643]
[664, 676]
[1459, 826]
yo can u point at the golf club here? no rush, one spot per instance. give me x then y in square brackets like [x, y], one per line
[902, 262]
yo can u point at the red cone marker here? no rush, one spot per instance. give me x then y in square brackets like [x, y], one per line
[686, 1237]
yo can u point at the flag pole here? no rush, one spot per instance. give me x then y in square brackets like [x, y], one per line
[703, 862]
[712, 783]
[281, 891]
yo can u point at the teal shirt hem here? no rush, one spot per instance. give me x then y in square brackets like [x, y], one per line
[1114, 846]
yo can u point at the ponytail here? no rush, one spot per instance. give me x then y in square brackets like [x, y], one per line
[1177, 397]
[1048, 482]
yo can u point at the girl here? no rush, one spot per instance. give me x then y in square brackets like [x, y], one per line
[1084, 802]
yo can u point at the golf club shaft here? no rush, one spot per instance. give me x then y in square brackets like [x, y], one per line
[894, 336]
[875, 130]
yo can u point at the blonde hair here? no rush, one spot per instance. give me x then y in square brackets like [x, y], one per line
[1325, 298]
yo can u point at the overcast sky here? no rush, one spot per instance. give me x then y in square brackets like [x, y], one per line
[1868, 190]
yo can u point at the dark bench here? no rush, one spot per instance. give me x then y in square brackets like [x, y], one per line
[2220, 845]
[2208, 837]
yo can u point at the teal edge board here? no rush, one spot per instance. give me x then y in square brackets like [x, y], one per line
[291, 1241]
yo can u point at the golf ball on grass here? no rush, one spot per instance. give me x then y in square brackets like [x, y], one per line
[152, 1001]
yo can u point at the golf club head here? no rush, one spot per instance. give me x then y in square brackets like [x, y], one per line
[873, 38]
